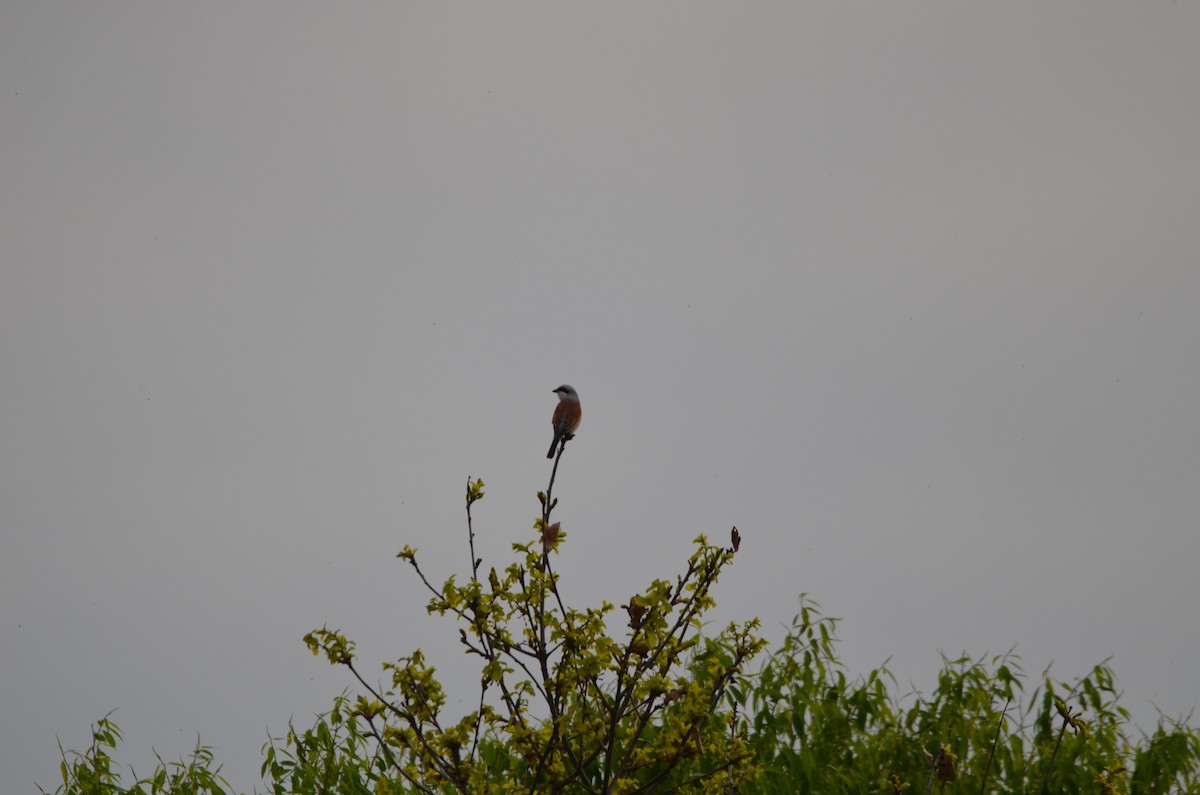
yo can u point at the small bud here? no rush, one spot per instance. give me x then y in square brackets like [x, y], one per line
[637, 611]
[942, 764]
[550, 536]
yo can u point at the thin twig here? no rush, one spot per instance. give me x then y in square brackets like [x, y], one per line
[471, 535]
[933, 768]
[1050, 762]
[995, 741]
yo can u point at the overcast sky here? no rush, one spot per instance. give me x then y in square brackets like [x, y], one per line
[906, 291]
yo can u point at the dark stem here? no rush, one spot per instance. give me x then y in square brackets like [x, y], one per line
[932, 774]
[471, 535]
[1049, 764]
[995, 740]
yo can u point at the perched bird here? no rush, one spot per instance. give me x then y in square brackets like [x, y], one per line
[566, 416]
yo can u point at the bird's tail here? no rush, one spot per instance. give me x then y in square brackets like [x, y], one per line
[553, 446]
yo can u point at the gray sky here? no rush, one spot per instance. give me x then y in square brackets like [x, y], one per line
[907, 292]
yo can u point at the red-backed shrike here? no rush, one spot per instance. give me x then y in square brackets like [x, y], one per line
[566, 415]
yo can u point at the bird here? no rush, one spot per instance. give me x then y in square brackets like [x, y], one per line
[566, 416]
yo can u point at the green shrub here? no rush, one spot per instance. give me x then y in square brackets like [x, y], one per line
[565, 705]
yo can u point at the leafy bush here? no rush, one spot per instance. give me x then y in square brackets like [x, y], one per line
[93, 772]
[563, 704]
[813, 730]
[567, 706]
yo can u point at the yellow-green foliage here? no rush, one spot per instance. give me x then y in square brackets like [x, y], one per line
[814, 730]
[565, 703]
[632, 699]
